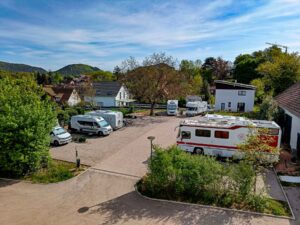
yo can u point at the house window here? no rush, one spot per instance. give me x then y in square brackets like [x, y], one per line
[242, 93]
[185, 135]
[120, 95]
[124, 95]
[229, 104]
[202, 133]
[221, 134]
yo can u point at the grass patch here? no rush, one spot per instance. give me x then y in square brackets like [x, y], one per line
[55, 172]
[276, 207]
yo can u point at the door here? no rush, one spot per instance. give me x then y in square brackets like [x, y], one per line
[286, 137]
[222, 106]
[241, 107]
[298, 145]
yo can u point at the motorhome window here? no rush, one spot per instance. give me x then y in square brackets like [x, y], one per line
[192, 108]
[96, 125]
[173, 106]
[103, 123]
[242, 93]
[90, 124]
[202, 133]
[185, 135]
[273, 131]
[221, 134]
[81, 122]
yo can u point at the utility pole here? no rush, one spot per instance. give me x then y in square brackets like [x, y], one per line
[278, 45]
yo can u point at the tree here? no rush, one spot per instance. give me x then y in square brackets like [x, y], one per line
[258, 148]
[159, 58]
[102, 76]
[154, 83]
[269, 109]
[117, 72]
[25, 123]
[221, 68]
[281, 72]
[260, 89]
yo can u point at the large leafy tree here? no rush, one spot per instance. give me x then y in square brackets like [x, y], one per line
[154, 83]
[26, 119]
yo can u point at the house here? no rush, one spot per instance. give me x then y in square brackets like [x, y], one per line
[109, 94]
[63, 95]
[289, 101]
[233, 96]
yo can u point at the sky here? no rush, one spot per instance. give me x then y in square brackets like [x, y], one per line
[103, 33]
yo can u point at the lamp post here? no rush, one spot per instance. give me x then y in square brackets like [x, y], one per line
[151, 138]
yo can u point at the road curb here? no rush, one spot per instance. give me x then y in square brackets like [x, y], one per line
[213, 207]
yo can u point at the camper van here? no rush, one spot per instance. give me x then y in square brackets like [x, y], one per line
[172, 107]
[115, 119]
[218, 135]
[60, 136]
[195, 108]
[90, 124]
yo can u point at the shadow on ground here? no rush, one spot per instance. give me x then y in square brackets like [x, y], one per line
[136, 209]
[4, 183]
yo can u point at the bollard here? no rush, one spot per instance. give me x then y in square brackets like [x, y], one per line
[77, 162]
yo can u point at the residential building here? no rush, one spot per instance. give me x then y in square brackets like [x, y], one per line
[289, 101]
[233, 96]
[109, 94]
[63, 95]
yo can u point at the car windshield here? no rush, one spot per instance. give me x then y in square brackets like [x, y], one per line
[192, 108]
[59, 131]
[103, 123]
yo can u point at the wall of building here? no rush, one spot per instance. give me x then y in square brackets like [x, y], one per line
[229, 95]
[294, 130]
[74, 99]
[122, 96]
[101, 101]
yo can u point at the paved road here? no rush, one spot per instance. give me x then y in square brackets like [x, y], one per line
[98, 197]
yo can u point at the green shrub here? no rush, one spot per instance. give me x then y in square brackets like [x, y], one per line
[82, 139]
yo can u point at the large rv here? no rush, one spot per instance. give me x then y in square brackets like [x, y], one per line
[196, 108]
[115, 119]
[218, 135]
[172, 107]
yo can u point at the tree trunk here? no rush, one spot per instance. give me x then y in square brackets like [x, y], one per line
[152, 109]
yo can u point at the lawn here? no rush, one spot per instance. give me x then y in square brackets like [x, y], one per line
[55, 172]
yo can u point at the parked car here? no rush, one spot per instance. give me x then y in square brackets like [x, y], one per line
[90, 124]
[60, 136]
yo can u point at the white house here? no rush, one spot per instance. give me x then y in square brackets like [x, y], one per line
[289, 101]
[235, 97]
[109, 94]
[63, 95]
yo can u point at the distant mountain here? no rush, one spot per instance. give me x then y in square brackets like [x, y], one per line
[76, 69]
[15, 67]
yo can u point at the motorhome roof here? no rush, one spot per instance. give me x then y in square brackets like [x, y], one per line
[88, 117]
[214, 120]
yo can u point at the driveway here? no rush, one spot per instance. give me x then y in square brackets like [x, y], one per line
[104, 194]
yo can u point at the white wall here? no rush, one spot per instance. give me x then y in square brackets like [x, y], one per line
[294, 130]
[123, 94]
[74, 99]
[230, 95]
[105, 101]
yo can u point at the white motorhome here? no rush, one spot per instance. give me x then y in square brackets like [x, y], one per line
[195, 108]
[90, 124]
[60, 136]
[218, 135]
[172, 107]
[115, 119]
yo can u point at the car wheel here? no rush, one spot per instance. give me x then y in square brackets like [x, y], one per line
[56, 143]
[100, 133]
[198, 151]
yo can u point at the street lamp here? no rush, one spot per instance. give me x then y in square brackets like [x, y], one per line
[151, 138]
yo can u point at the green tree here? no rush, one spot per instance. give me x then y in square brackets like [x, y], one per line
[102, 76]
[25, 123]
[260, 89]
[281, 72]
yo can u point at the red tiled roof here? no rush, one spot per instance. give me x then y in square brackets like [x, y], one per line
[290, 99]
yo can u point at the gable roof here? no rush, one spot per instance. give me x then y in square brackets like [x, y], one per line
[223, 84]
[107, 88]
[290, 99]
[63, 92]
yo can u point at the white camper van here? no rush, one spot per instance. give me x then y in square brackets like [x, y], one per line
[195, 108]
[60, 136]
[90, 124]
[218, 135]
[115, 119]
[172, 107]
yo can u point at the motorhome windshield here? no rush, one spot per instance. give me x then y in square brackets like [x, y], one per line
[59, 131]
[192, 108]
[172, 106]
[103, 123]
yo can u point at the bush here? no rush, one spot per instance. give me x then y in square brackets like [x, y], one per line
[82, 139]
[26, 119]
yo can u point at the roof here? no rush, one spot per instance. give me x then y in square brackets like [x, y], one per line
[223, 84]
[63, 92]
[49, 91]
[290, 99]
[107, 88]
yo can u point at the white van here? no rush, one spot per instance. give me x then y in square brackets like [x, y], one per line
[90, 124]
[60, 136]
[172, 107]
[195, 108]
[115, 119]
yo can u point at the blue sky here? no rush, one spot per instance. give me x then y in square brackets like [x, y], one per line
[52, 34]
